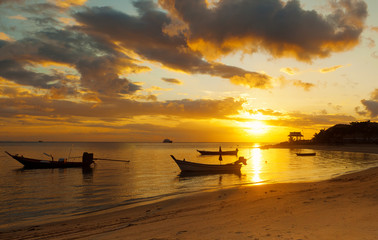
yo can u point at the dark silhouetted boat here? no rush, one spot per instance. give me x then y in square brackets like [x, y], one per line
[219, 152]
[186, 166]
[167, 140]
[306, 154]
[86, 162]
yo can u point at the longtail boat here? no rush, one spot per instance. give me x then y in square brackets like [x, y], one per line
[306, 154]
[186, 166]
[86, 162]
[219, 152]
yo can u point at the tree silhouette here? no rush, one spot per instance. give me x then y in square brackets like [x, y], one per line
[355, 132]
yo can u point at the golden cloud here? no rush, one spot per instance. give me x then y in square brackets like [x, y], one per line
[68, 21]
[305, 85]
[68, 3]
[90, 97]
[18, 17]
[208, 49]
[298, 83]
[14, 92]
[330, 69]
[5, 37]
[60, 93]
[212, 50]
[290, 71]
[230, 26]
[252, 80]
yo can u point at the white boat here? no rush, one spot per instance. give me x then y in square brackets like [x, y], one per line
[186, 166]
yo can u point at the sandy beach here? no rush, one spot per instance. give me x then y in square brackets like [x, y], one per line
[342, 208]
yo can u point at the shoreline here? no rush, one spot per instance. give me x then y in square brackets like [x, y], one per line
[361, 148]
[340, 208]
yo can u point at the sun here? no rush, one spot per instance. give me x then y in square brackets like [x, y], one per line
[255, 127]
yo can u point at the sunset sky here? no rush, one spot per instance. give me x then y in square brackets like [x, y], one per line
[188, 70]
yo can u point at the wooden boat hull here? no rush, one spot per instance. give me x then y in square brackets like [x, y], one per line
[218, 152]
[186, 166]
[36, 163]
[306, 154]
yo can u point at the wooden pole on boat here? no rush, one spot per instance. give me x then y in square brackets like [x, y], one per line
[107, 159]
[49, 155]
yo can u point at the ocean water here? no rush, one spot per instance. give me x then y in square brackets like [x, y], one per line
[34, 196]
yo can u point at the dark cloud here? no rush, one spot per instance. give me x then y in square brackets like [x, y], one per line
[3, 43]
[45, 21]
[17, 72]
[91, 50]
[36, 8]
[99, 65]
[374, 95]
[371, 105]
[144, 34]
[282, 29]
[101, 74]
[118, 108]
[11, 1]
[172, 80]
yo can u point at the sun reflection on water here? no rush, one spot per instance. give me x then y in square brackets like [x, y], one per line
[256, 162]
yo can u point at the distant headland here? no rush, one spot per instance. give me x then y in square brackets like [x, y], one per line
[339, 134]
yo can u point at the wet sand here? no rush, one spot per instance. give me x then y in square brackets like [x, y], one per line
[342, 208]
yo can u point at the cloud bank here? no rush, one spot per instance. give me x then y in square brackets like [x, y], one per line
[282, 29]
[75, 62]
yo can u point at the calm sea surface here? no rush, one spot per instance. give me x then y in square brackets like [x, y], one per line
[38, 195]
